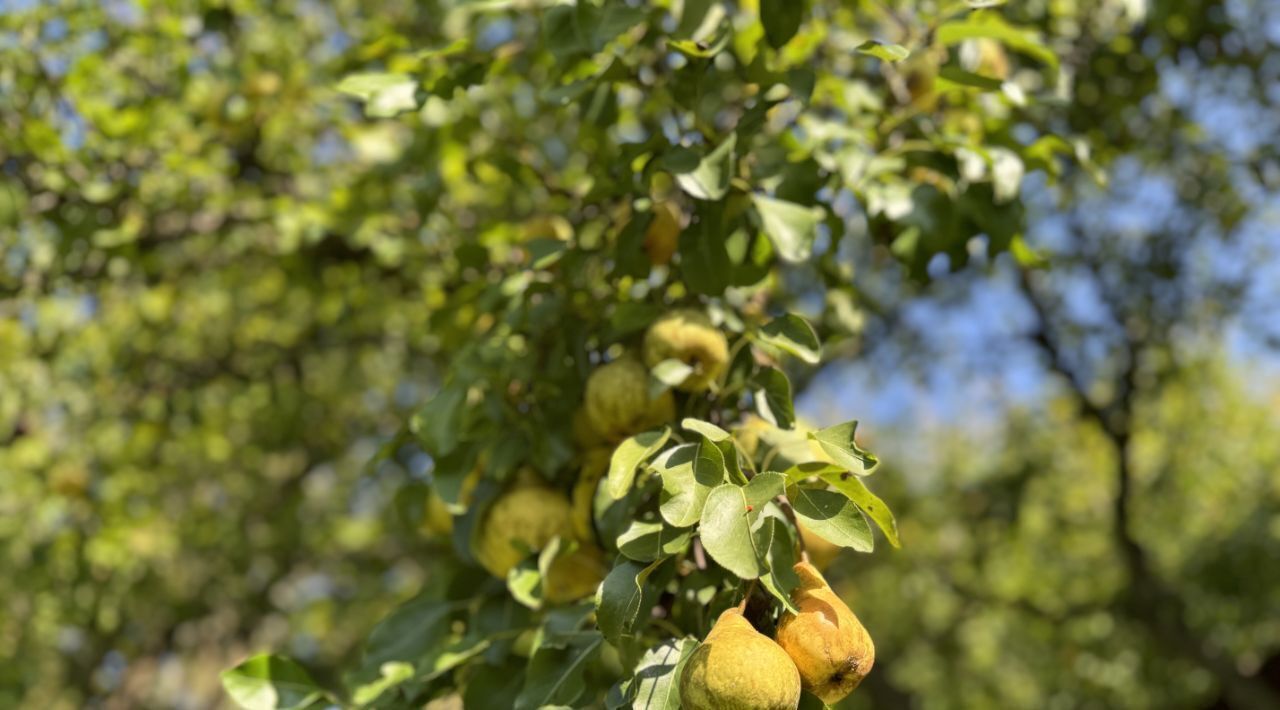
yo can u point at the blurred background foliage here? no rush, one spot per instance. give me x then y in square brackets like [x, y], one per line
[224, 289]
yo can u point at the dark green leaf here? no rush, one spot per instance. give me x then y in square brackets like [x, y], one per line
[622, 601]
[781, 20]
[960, 77]
[781, 577]
[772, 395]
[831, 516]
[655, 681]
[555, 673]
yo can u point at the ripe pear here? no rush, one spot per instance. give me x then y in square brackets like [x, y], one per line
[738, 668]
[595, 464]
[437, 518]
[687, 335]
[618, 402]
[825, 640]
[663, 234]
[576, 575]
[521, 520]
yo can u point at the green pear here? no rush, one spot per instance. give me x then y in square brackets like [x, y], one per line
[738, 668]
[687, 335]
[827, 643]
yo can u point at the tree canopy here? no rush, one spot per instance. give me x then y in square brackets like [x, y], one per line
[294, 294]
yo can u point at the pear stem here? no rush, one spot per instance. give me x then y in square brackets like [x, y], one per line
[790, 512]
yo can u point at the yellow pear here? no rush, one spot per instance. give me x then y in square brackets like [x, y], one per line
[687, 335]
[663, 234]
[576, 575]
[437, 518]
[618, 402]
[738, 668]
[595, 464]
[521, 520]
[825, 640]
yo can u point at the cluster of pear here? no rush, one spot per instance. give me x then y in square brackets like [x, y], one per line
[618, 402]
[822, 648]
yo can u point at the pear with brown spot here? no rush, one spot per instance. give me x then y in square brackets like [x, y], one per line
[829, 646]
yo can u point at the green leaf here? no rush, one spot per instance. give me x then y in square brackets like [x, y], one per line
[728, 530]
[656, 678]
[838, 443]
[606, 21]
[555, 673]
[832, 516]
[629, 454]
[710, 180]
[773, 400]
[406, 634]
[960, 77]
[855, 490]
[791, 227]
[781, 578]
[993, 26]
[671, 373]
[794, 335]
[707, 429]
[437, 424]
[884, 50]
[393, 673]
[684, 486]
[622, 601]
[383, 94]
[268, 682]
[707, 46]
[781, 20]
[649, 541]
